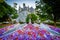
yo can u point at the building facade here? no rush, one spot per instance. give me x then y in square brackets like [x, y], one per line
[23, 12]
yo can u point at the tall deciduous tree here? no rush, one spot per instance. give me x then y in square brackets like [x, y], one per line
[31, 16]
[51, 7]
[55, 4]
[43, 10]
[5, 11]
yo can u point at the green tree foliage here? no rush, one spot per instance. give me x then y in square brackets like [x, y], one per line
[5, 11]
[51, 7]
[1, 1]
[43, 10]
[14, 16]
[55, 4]
[31, 16]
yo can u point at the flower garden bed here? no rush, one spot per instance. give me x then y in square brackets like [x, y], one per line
[31, 32]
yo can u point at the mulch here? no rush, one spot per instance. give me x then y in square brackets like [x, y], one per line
[5, 25]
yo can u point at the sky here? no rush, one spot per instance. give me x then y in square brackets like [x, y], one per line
[30, 3]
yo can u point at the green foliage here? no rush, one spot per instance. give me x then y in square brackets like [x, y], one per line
[44, 11]
[1, 26]
[55, 4]
[31, 16]
[1, 1]
[51, 7]
[14, 16]
[6, 11]
[27, 19]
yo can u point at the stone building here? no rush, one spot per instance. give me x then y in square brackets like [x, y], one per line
[23, 12]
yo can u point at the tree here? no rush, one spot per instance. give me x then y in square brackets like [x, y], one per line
[6, 11]
[31, 16]
[42, 10]
[55, 4]
[14, 16]
[51, 7]
[1, 1]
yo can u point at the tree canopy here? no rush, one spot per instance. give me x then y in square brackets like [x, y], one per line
[55, 4]
[51, 7]
[43, 10]
[6, 11]
[31, 16]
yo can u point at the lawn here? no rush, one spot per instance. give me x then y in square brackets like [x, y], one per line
[57, 24]
[4, 25]
[1, 26]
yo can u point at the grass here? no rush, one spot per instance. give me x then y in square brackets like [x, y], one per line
[57, 24]
[4, 25]
[1, 26]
